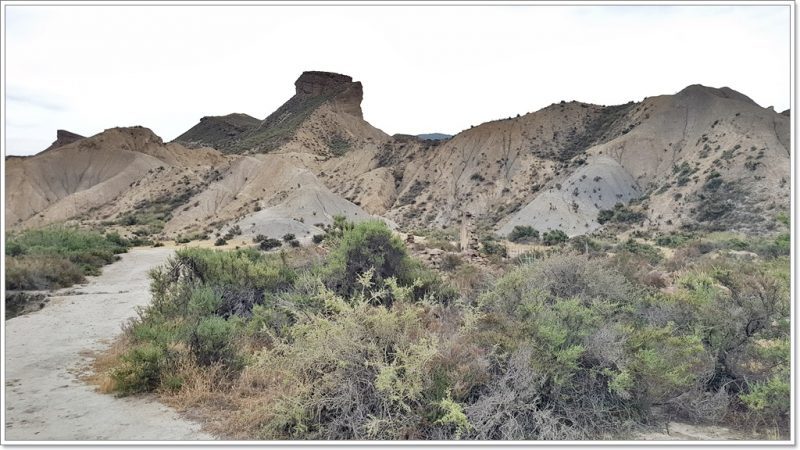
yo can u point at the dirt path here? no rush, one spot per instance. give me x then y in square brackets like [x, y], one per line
[677, 431]
[45, 350]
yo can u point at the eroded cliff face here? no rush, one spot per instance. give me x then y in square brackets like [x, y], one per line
[345, 94]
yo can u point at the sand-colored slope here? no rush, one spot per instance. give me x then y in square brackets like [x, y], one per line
[573, 206]
[702, 158]
[491, 170]
[680, 142]
[96, 176]
[303, 213]
[260, 189]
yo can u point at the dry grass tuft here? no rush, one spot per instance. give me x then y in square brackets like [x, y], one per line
[103, 362]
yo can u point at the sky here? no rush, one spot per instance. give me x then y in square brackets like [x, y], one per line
[424, 68]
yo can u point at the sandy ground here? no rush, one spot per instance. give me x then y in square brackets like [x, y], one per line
[677, 431]
[45, 352]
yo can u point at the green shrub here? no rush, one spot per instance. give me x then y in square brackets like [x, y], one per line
[554, 237]
[368, 245]
[783, 218]
[117, 239]
[269, 244]
[773, 247]
[451, 261]
[239, 268]
[650, 253]
[197, 236]
[559, 318]
[604, 216]
[317, 238]
[288, 237]
[491, 246]
[211, 341]
[384, 355]
[523, 233]
[585, 244]
[203, 302]
[140, 370]
[620, 214]
[14, 248]
[672, 240]
[220, 242]
[338, 145]
[53, 257]
[770, 400]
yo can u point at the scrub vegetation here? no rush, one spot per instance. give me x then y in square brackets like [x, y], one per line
[366, 342]
[57, 256]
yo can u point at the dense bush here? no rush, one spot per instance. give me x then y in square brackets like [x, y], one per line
[492, 247]
[212, 340]
[54, 257]
[554, 237]
[648, 252]
[269, 243]
[523, 233]
[358, 373]
[620, 214]
[672, 240]
[370, 245]
[140, 369]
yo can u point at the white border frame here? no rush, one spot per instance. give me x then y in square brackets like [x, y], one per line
[292, 444]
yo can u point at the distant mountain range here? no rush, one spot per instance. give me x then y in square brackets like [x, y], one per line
[435, 136]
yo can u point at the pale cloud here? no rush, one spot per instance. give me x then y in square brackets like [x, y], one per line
[424, 68]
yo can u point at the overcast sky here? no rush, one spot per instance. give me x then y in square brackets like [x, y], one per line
[424, 68]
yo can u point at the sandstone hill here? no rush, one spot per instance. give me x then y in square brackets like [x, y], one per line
[702, 158]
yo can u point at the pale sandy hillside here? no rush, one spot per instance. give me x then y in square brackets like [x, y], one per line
[702, 158]
[98, 177]
[271, 194]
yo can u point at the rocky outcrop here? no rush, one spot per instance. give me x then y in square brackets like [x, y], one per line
[343, 91]
[63, 137]
[313, 83]
[220, 132]
[240, 133]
